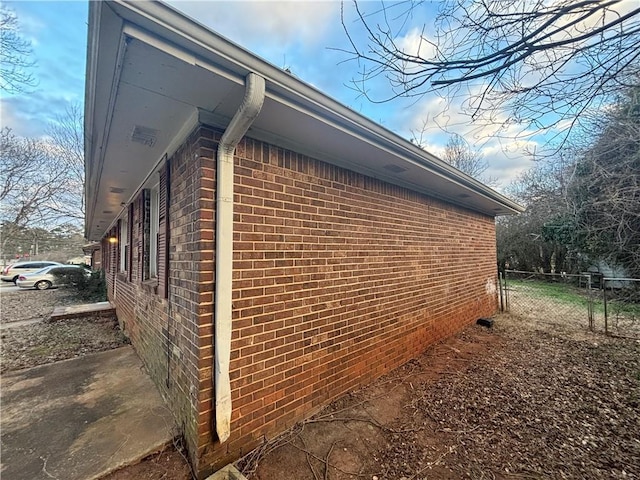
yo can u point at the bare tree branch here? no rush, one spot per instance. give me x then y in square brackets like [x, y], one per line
[460, 155]
[31, 180]
[15, 66]
[67, 136]
[545, 63]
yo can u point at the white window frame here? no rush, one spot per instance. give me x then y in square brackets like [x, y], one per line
[154, 228]
[124, 242]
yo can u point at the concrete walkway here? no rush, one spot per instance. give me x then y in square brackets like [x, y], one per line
[80, 418]
[101, 309]
[104, 309]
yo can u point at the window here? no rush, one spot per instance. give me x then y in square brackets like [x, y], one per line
[153, 231]
[124, 243]
[153, 224]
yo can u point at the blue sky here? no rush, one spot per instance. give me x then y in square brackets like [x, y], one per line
[301, 36]
[58, 35]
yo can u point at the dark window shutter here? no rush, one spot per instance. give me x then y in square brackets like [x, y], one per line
[163, 232]
[118, 245]
[104, 245]
[146, 233]
[129, 260]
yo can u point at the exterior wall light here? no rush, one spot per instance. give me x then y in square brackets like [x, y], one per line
[113, 240]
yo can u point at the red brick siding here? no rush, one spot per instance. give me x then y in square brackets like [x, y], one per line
[191, 274]
[338, 278]
[173, 335]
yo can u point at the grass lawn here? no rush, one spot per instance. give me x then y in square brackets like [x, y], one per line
[572, 295]
[558, 291]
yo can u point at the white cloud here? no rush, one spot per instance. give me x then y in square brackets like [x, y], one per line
[416, 43]
[272, 23]
[506, 147]
[611, 13]
[507, 159]
[21, 122]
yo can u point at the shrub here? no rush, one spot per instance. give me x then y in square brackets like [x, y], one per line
[88, 288]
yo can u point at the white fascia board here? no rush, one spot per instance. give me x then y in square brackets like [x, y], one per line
[89, 102]
[219, 121]
[94, 152]
[399, 148]
[399, 151]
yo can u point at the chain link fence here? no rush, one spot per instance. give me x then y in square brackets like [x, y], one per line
[609, 305]
[618, 307]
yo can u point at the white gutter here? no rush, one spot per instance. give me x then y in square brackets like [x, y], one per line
[240, 123]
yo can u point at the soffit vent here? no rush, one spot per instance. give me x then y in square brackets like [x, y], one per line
[394, 168]
[144, 135]
[116, 190]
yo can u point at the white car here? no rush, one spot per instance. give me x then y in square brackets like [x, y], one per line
[12, 272]
[48, 277]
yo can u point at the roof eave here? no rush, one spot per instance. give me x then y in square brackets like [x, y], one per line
[195, 34]
[190, 36]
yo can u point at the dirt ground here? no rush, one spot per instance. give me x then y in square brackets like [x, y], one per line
[531, 398]
[526, 400]
[167, 465]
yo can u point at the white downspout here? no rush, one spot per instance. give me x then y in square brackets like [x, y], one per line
[240, 123]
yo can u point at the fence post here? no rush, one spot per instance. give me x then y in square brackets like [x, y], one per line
[589, 302]
[604, 301]
[506, 292]
[500, 289]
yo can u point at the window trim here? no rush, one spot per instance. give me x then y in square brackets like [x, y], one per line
[152, 232]
[125, 247]
[154, 229]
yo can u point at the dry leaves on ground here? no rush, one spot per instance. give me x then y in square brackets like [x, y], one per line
[46, 342]
[167, 465]
[528, 400]
[541, 405]
[32, 304]
[25, 346]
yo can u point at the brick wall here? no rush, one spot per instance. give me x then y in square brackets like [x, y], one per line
[173, 335]
[338, 278]
[191, 247]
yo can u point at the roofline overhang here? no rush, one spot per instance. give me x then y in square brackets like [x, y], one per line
[165, 28]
